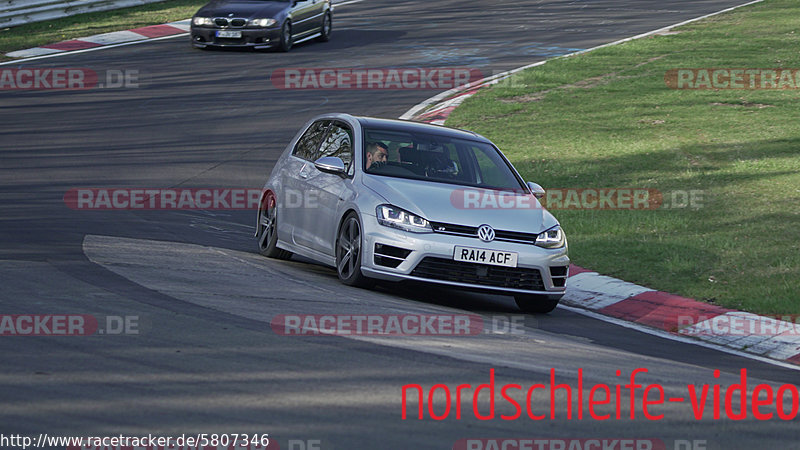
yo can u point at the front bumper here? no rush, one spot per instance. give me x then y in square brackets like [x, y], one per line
[251, 37]
[429, 258]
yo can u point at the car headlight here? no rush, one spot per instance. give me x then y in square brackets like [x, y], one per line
[261, 22]
[392, 216]
[202, 21]
[552, 238]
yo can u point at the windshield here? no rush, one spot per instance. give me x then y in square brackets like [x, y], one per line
[437, 158]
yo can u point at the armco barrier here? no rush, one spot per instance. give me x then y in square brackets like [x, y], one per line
[18, 12]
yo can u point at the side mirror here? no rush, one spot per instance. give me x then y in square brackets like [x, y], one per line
[330, 164]
[536, 190]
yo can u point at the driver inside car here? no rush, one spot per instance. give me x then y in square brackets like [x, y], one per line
[377, 154]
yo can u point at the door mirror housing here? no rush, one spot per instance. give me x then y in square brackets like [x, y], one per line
[330, 164]
[536, 190]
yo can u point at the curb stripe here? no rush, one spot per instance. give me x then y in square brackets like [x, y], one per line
[36, 51]
[574, 270]
[716, 330]
[661, 309]
[114, 37]
[72, 45]
[104, 39]
[154, 31]
[594, 291]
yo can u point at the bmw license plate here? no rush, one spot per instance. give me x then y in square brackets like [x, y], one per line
[229, 34]
[485, 256]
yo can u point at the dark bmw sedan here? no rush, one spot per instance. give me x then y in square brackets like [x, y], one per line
[261, 24]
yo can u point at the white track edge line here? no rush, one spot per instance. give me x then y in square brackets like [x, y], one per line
[420, 106]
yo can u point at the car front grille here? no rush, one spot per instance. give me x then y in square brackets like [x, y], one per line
[459, 230]
[223, 22]
[480, 274]
[468, 231]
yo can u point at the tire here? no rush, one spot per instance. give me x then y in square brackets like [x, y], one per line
[536, 304]
[286, 37]
[349, 242]
[267, 232]
[325, 30]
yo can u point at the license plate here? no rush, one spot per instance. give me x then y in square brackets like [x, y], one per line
[229, 34]
[485, 256]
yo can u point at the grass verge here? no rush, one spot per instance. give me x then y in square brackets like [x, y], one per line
[42, 33]
[607, 119]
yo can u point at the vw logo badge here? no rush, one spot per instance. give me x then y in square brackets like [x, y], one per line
[486, 233]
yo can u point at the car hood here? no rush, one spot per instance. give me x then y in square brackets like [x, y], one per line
[247, 9]
[464, 205]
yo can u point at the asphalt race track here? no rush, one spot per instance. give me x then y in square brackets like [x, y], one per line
[205, 359]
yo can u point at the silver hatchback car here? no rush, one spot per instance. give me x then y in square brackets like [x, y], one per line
[395, 200]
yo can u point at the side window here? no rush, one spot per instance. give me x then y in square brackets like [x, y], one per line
[490, 167]
[338, 142]
[308, 143]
